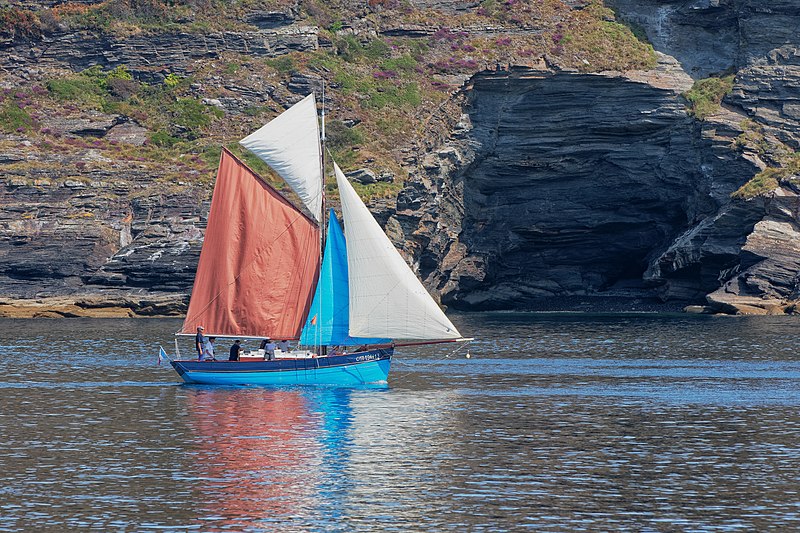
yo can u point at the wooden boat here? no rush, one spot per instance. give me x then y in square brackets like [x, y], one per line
[263, 272]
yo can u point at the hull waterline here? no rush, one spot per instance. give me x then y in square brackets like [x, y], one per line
[351, 369]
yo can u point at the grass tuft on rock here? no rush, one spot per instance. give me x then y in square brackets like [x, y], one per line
[770, 178]
[706, 95]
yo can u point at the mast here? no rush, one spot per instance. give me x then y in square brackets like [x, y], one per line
[323, 218]
[322, 163]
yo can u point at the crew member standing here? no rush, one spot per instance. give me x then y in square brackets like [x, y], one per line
[199, 342]
[235, 350]
[208, 350]
[269, 350]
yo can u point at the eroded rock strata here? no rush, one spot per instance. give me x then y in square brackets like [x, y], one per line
[533, 187]
[80, 245]
[573, 191]
[570, 186]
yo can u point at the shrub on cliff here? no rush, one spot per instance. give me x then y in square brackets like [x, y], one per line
[706, 95]
[14, 117]
[342, 141]
[16, 23]
[163, 139]
[189, 117]
[159, 107]
[283, 64]
[770, 178]
[78, 89]
[93, 86]
[594, 41]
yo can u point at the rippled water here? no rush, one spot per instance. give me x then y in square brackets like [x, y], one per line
[556, 423]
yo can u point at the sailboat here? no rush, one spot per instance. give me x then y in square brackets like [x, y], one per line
[265, 272]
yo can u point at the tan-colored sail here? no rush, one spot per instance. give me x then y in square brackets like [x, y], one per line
[259, 262]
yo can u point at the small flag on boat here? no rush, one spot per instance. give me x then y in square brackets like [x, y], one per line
[161, 355]
[314, 320]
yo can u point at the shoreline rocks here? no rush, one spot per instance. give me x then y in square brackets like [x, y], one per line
[97, 306]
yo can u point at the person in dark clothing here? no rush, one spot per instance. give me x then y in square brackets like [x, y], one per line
[199, 341]
[235, 351]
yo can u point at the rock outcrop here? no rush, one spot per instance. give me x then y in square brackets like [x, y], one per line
[533, 187]
[561, 190]
[568, 185]
[150, 57]
[67, 233]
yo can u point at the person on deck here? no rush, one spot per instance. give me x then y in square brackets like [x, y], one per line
[269, 350]
[199, 342]
[284, 346]
[208, 350]
[235, 351]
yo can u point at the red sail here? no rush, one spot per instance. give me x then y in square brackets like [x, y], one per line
[259, 262]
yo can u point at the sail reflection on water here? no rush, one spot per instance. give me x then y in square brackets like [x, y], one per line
[269, 455]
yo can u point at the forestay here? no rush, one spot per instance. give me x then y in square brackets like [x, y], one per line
[386, 298]
[290, 144]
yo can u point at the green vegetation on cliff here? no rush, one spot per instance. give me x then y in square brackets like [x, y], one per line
[770, 178]
[783, 162]
[14, 117]
[384, 91]
[706, 95]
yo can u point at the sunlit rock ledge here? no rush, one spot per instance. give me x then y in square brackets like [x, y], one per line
[95, 306]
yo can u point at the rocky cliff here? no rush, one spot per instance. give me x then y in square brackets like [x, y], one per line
[582, 191]
[539, 159]
[89, 243]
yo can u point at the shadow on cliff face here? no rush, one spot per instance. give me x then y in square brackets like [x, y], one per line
[702, 36]
[709, 37]
[578, 184]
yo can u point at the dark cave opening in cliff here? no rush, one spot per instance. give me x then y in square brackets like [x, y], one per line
[579, 183]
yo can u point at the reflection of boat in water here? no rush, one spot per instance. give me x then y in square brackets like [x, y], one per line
[266, 455]
[260, 273]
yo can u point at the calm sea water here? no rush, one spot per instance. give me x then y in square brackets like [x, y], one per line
[555, 423]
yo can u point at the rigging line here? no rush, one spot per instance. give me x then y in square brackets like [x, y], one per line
[236, 278]
[430, 363]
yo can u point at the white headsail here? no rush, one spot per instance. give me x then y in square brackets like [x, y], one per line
[290, 144]
[386, 298]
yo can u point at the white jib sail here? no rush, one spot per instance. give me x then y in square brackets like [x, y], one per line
[290, 144]
[386, 298]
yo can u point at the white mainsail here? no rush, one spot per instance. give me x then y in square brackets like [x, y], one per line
[290, 144]
[386, 298]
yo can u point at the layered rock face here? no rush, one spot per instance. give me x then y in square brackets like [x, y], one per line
[578, 181]
[572, 191]
[569, 186]
[110, 241]
[151, 57]
[759, 43]
[714, 36]
[124, 239]
[553, 189]
[768, 275]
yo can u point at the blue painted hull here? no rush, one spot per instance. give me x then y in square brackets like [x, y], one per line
[351, 369]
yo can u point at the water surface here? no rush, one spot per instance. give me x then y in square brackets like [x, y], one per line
[567, 422]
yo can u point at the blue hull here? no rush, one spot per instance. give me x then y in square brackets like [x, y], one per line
[351, 369]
